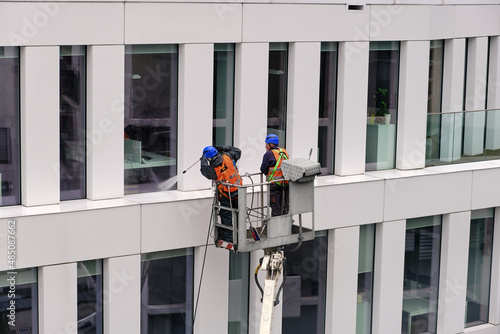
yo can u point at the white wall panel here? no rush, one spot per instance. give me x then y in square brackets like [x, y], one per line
[388, 277]
[399, 22]
[76, 236]
[342, 280]
[40, 125]
[250, 104]
[196, 65]
[333, 205]
[493, 95]
[58, 299]
[410, 197]
[148, 23]
[60, 23]
[175, 224]
[122, 294]
[105, 115]
[287, 22]
[442, 22]
[352, 88]
[453, 272]
[473, 20]
[412, 102]
[303, 99]
[485, 188]
[214, 290]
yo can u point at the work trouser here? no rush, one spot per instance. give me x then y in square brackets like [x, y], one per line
[226, 217]
[279, 199]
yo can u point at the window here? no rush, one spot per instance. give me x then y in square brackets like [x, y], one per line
[89, 285]
[365, 279]
[150, 116]
[479, 268]
[239, 274]
[277, 90]
[434, 101]
[327, 104]
[223, 94]
[304, 292]
[421, 275]
[19, 289]
[383, 77]
[72, 115]
[167, 292]
[10, 168]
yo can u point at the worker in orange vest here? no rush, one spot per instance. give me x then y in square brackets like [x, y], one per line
[219, 164]
[271, 167]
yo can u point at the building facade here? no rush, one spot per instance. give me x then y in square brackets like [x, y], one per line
[105, 105]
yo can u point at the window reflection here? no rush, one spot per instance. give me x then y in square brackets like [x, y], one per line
[304, 293]
[150, 116]
[10, 168]
[223, 94]
[421, 275]
[239, 274]
[89, 285]
[72, 122]
[327, 103]
[277, 90]
[479, 267]
[434, 101]
[167, 292]
[365, 278]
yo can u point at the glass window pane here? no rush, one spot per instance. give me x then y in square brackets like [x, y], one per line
[150, 116]
[10, 168]
[72, 115]
[327, 103]
[421, 275]
[277, 90]
[304, 292]
[239, 274]
[434, 100]
[479, 267]
[19, 296]
[383, 77]
[365, 278]
[223, 94]
[167, 292]
[89, 285]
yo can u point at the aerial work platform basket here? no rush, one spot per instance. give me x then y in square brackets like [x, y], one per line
[255, 228]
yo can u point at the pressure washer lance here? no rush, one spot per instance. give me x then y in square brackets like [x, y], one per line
[184, 172]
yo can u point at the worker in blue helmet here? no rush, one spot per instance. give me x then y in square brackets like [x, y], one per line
[271, 167]
[219, 164]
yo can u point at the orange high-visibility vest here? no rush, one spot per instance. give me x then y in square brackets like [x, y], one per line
[227, 172]
[275, 172]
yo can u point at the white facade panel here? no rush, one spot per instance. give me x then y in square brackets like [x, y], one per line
[60, 23]
[303, 99]
[352, 84]
[214, 289]
[410, 197]
[332, 207]
[122, 294]
[58, 299]
[250, 104]
[280, 23]
[196, 68]
[342, 280]
[413, 94]
[442, 22]
[453, 272]
[175, 225]
[473, 20]
[388, 277]
[105, 122]
[153, 23]
[485, 189]
[399, 22]
[76, 236]
[494, 73]
[40, 144]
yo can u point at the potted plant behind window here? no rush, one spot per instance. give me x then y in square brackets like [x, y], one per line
[383, 110]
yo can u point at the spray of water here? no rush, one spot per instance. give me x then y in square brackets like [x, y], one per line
[169, 183]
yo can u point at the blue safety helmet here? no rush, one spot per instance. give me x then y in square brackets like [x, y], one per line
[272, 139]
[209, 152]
